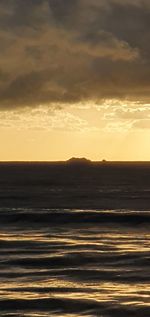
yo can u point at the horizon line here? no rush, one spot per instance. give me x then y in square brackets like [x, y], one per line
[77, 159]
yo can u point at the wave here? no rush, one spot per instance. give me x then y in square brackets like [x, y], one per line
[75, 306]
[73, 217]
[60, 262]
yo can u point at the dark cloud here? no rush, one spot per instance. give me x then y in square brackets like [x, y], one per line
[64, 11]
[73, 50]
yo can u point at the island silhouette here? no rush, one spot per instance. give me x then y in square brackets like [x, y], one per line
[79, 161]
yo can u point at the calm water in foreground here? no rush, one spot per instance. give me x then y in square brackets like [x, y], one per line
[74, 261]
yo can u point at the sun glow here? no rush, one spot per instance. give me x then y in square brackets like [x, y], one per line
[112, 129]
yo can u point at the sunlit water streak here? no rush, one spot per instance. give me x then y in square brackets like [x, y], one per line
[62, 267]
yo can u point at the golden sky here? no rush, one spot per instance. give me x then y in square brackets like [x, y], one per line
[74, 79]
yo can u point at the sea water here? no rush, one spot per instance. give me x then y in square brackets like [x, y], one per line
[72, 261]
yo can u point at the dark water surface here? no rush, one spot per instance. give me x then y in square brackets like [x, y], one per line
[75, 240]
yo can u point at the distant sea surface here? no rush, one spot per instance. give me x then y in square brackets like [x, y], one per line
[75, 239]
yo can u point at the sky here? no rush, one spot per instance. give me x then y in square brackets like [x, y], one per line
[74, 79]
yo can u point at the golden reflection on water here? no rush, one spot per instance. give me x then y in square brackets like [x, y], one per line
[126, 294]
[68, 242]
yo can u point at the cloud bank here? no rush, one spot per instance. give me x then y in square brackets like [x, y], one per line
[68, 51]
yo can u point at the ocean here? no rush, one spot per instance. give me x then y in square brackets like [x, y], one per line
[75, 239]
